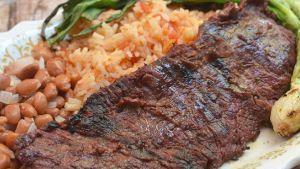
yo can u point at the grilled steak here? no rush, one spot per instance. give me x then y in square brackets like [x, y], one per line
[197, 107]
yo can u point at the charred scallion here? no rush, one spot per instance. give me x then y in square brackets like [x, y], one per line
[87, 9]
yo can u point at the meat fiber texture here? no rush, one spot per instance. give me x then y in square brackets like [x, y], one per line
[197, 107]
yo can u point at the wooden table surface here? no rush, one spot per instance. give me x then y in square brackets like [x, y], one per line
[15, 11]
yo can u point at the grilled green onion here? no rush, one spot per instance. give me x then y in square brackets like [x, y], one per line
[110, 19]
[88, 9]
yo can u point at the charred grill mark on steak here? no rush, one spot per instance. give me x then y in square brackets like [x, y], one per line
[195, 108]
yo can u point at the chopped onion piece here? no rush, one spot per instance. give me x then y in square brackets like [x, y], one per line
[14, 81]
[52, 104]
[73, 104]
[42, 63]
[32, 128]
[59, 119]
[8, 97]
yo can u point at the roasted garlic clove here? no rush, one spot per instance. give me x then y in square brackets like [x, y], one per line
[285, 115]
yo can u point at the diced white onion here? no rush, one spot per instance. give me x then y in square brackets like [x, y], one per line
[8, 97]
[14, 81]
[52, 104]
[32, 128]
[42, 63]
[73, 104]
[59, 119]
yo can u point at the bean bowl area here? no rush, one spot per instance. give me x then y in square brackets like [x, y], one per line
[33, 92]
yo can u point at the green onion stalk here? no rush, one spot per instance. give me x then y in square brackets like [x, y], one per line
[285, 115]
[74, 10]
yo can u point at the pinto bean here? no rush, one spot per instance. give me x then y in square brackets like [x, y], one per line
[40, 103]
[50, 91]
[22, 127]
[4, 149]
[27, 110]
[23, 68]
[4, 81]
[63, 82]
[4, 161]
[28, 71]
[60, 102]
[42, 120]
[55, 66]
[43, 76]
[12, 113]
[3, 120]
[28, 86]
[10, 139]
[53, 112]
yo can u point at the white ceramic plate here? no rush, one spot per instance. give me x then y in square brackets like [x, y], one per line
[269, 151]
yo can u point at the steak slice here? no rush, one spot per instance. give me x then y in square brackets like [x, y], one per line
[197, 107]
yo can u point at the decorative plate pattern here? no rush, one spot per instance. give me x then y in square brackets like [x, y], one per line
[269, 151]
[18, 42]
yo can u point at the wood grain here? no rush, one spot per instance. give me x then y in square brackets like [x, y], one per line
[15, 11]
[4, 14]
